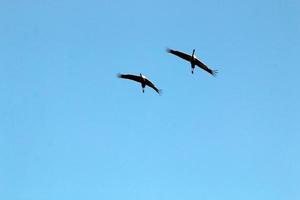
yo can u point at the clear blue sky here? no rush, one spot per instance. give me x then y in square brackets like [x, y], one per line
[70, 130]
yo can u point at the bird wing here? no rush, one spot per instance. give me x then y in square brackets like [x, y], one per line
[130, 77]
[180, 54]
[150, 84]
[204, 67]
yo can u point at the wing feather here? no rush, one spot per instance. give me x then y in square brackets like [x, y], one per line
[180, 54]
[150, 84]
[130, 77]
[204, 67]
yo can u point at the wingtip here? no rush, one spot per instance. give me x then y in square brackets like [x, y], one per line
[214, 73]
[160, 92]
[118, 75]
[168, 50]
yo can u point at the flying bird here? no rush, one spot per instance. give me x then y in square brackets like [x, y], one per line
[141, 79]
[193, 60]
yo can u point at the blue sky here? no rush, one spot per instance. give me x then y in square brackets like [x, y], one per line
[69, 129]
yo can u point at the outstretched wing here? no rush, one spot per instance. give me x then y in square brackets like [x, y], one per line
[150, 84]
[204, 67]
[180, 54]
[130, 77]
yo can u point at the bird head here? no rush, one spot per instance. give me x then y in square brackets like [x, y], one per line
[143, 77]
[194, 55]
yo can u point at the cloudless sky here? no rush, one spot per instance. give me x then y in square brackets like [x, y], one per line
[69, 129]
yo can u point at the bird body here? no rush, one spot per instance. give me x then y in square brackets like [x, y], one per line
[193, 60]
[141, 79]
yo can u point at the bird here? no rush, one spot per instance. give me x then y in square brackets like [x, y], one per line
[193, 60]
[141, 79]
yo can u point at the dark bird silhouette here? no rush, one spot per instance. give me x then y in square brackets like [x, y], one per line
[141, 79]
[193, 60]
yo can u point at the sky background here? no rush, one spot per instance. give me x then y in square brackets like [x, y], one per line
[69, 129]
